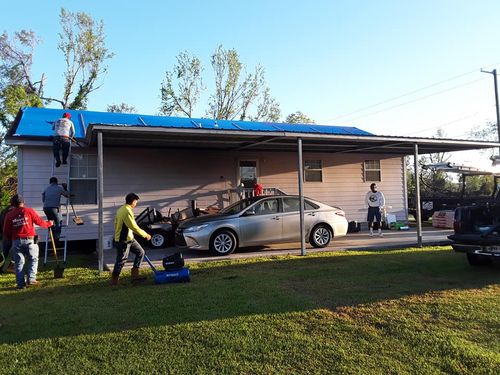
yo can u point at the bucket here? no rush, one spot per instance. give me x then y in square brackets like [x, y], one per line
[107, 242]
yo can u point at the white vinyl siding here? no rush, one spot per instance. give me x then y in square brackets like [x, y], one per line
[169, 179]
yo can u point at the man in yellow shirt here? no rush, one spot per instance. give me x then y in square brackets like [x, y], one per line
[125, 227]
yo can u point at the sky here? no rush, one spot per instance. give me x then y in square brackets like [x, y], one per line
[390, 67]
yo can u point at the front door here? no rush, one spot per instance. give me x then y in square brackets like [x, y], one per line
[247, 173]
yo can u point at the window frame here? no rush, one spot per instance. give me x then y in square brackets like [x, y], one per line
[73, 179]
[366, 169]
[320, 170]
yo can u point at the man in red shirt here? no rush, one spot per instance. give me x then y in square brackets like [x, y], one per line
[19, 228]
[258, 189]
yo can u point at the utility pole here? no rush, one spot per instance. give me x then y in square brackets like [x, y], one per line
[494, 72]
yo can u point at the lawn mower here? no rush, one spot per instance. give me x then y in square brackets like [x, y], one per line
[174, 272]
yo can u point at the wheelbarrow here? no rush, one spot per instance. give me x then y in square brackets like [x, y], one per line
[180, 275]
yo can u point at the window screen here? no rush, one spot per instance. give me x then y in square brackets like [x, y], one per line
[83, 179]
[313, 171]
[372, 170]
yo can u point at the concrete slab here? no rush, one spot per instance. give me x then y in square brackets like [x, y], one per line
[353, 241]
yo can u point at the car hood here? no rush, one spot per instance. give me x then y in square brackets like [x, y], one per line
[203, 220]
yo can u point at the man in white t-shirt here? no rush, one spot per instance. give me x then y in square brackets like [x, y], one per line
[375, 201]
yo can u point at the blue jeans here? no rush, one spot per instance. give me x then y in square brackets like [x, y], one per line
[122, 251]
[25, 249]
[53, 214]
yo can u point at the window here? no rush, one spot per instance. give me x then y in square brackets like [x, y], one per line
[266, 207]
[293, 204]
[83, 179]
[372, 170]
[313, 171]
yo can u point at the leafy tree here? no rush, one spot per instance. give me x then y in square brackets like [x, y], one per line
[82, 44]
[298, 118]
[488, 132]
[8, 181]
[121, 108]
[235, 95]
[432, 182]
[186, 75]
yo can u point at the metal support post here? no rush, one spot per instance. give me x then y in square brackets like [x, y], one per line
[301, 197]
[100, 193]
[417, 198]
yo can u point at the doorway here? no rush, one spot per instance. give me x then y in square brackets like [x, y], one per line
[247, 173]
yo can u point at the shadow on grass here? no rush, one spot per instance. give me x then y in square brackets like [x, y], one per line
[84, 303]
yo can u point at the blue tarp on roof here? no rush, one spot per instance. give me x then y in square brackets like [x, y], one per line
[37, 122]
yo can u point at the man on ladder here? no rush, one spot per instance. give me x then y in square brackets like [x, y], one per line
[64, 131]
[51, 199]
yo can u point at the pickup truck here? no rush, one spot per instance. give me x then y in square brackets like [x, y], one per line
[477, 232]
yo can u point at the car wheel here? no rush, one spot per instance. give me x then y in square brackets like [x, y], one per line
[478, 260]
[158, 239]
[321, 236]
[223, 242]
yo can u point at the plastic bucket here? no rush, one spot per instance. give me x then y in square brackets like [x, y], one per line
[107, 242]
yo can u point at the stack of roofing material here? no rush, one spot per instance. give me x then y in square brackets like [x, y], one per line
[443, 219]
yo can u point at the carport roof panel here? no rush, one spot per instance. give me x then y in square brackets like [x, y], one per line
[36, 122]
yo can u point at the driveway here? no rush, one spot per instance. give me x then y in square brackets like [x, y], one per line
[353, 241]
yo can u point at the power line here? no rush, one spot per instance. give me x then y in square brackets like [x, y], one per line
[407, 94]
[412, 101]
[443, 125]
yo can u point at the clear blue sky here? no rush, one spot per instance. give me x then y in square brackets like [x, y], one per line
[324, 58]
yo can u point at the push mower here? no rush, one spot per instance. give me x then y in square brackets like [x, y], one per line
[174, 272]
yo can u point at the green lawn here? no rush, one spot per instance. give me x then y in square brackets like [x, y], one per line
[422, 311]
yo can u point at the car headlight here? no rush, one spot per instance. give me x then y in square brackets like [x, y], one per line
[195, 228]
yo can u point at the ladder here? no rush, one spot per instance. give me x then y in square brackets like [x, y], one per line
[62, 173]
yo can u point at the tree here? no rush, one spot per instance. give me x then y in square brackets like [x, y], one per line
[187, 76]
[85, 53]
[235, 95]
[488, 132]
[82, 44]
[298, 118]
[121, 108]
[432, 182]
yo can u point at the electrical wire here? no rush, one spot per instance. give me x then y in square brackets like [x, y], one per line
[406, 94]
[414, 100]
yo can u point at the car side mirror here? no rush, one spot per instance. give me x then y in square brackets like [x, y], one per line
[249, 213]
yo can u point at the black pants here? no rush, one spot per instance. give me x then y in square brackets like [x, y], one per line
[61, 144]
[122, 250]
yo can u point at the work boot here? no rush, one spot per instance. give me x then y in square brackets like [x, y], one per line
[32, 284]
[114, 279]
[135, 275]
[11, 268]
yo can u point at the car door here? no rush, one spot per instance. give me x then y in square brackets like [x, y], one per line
[291, 218]
[261, 223]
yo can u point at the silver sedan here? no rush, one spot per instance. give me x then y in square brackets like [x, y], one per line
[262, 220]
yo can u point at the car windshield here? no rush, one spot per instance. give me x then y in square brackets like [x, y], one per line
[238, 206]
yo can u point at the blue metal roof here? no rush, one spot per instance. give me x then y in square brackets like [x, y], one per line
[36, 122]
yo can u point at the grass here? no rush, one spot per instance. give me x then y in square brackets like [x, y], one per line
[409, 311]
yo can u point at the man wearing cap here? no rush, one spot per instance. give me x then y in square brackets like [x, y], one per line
[125, 227]
[375, 201]
[64, 130]
[51, 198]
[19, 228]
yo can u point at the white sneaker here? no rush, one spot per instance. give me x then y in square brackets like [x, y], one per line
[371, 234]
[380, 234]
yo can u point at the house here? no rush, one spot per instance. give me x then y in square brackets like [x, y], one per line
[170, 161]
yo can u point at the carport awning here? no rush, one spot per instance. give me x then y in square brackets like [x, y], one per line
[140, 136]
